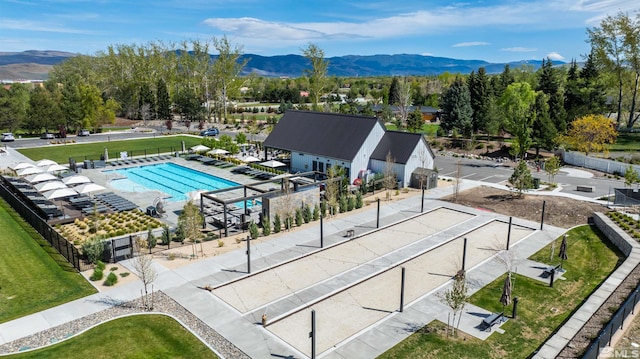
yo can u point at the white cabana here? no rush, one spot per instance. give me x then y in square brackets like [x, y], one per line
[48, 186]
[272, 164]
[200, 148]
[250, 159]
[88, 188]
[29, 171]
[59, 193]
[56, 168]
[76, 179]
[40, 177]
[46, 163]
[217, 151]
[22, 165]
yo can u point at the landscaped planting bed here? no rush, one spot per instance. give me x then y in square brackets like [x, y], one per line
[108, 225]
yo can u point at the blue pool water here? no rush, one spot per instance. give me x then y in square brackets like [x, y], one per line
[174, 180]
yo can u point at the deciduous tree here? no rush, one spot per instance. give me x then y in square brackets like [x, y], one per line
[590, 133]
[515, 104]
[317, 74]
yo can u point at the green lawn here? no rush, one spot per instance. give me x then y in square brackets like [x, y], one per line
[541, 309]
[627, 141]
[141, 336]
[61, 153]
[33, 276]
[429, 129]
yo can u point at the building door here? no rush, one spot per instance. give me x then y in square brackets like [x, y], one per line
[321, 167]
[314, 166]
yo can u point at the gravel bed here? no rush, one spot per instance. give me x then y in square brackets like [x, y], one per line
[578, 345]
[162, 304]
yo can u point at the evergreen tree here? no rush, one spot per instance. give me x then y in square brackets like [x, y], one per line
[549, 83]
[573, 103]
[394, 91]
[543, 131]
[521, 178]
[480, 92]
[146, 103]
[414, 121]
[456, 108]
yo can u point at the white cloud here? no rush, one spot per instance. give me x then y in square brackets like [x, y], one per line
[471, 43]
[554, 56]
[518, 49]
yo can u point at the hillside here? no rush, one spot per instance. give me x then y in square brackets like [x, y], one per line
[34, 65]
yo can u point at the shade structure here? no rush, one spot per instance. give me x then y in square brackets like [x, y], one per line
[46, 163]
[40, 177]
[200, 148]
[273, 164]
[505, 299]
[250, 159]
[29, 171]
[56, 168]
[59, 193]
[48, 186]
[88, 188]
[77, 179]
[217, 151]
[22, 165]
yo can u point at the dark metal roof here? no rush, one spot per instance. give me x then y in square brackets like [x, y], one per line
[320, 133]
[401, 146]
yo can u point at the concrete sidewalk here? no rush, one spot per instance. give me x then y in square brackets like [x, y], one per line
[244, 331]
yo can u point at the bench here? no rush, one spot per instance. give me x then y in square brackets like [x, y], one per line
[492, 319]
[350, 233]
[585, 188]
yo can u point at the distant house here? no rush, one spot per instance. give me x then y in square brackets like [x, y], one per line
[360, 144]
[429, 114]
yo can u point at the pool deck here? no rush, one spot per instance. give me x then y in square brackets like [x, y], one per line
[146, 198]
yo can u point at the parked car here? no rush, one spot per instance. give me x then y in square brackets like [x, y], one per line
[47, 136]
[8, 137]
[84, 132]
[210, 132]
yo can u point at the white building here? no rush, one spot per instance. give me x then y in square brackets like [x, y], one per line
[319, 140]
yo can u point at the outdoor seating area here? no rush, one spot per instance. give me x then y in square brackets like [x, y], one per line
[252, 172]
[142, 160]
[115, 202]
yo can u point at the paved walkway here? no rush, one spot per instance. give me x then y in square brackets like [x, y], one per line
[428, 245]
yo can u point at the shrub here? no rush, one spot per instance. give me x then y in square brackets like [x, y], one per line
[220, 243]
[101, 265]
[125, 274]
[299, 217]
[253, 230]
[316, 213]
[97, 274]
[343, 203]
[151, 239]
[288, 222]
[277, 225]
[358, 200]
[113, 269]
[165, 238]
[111, 280]
[266, 226]
[351, 203]
[306, 213]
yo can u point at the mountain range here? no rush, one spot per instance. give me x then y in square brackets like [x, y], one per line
[35, 65]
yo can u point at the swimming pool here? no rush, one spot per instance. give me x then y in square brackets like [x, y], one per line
[174, 180]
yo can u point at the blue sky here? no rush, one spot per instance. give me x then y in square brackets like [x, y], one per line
[491, 30]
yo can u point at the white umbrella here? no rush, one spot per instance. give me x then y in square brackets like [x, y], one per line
[59, 193]
[46, 163]
[22, 165]
[48, 186]
[29, 171]
[218, 151]
[250, 159]
[40, 177]
[88, 188]
[56, 168]
[195, 195]
[273, 164]
[200, 148]
[77, 179]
